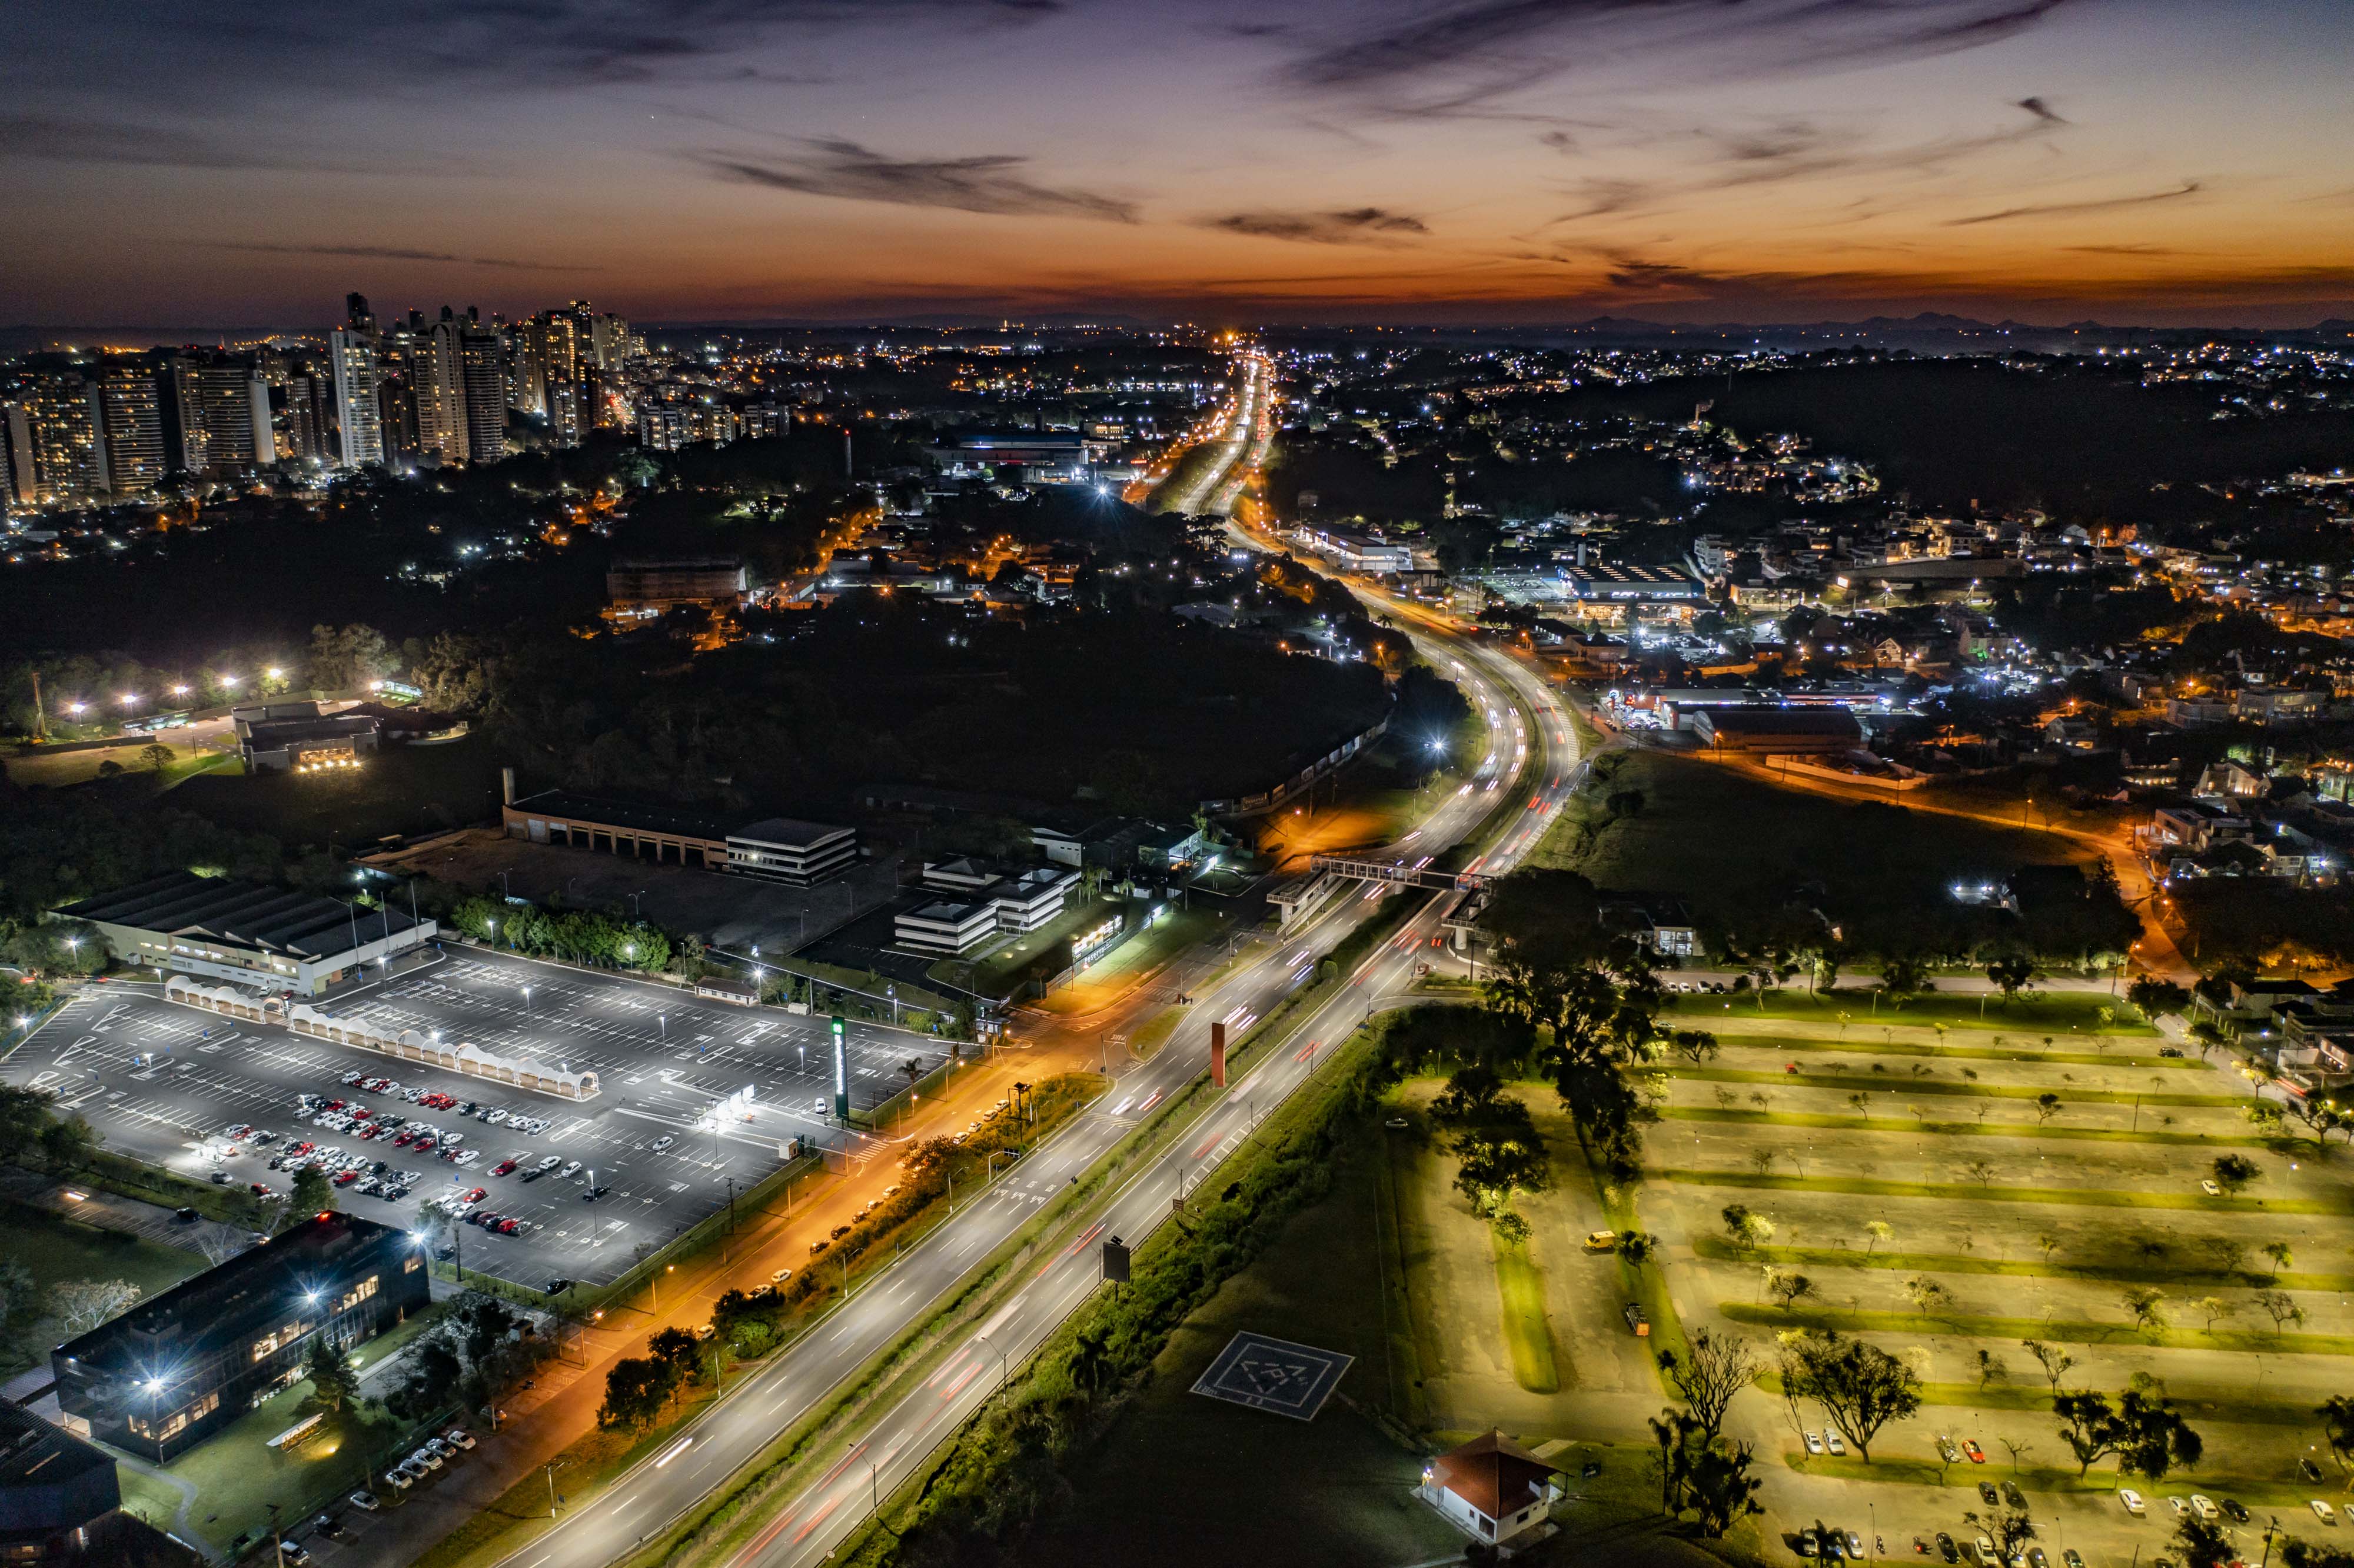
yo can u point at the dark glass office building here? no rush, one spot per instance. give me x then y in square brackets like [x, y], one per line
[172, 1371]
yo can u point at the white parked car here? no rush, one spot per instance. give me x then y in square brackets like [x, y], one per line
[399, 1478]
[2131, 1500]
[365, 1501]
[460, 1435]
[2322, 1512]
[2204, 1509]
[1814, 1443]
[1831, 1441]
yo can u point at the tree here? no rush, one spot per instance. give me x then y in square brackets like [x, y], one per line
[1497, 1164]
[1720, 1488]
[1749, 1231]
[1861, 1386]
[81, 1305]
[1927, 1296]
[680, 1352]
[1878, 1231]
[66, 1143]
[1991, 1369]
[2282, 1309]
[2012, 974]
[1694, 1046]
[2046, 1106]
[1980, 1171]
[2203, 1544]
[2158, 998]
[1788, 1290]
[1714, 1369]
[2233, 1172]
[636, 1388]
[2143, 1430]
[2088, 1425]
[433, 1370]
[2278, 1251]
[2047, 1244]
[1636, 1247]
[155, 756]
[2337, 1413]
[2146, 1305]
[2295, 1554]
[2012, 1528]
[2214, 1309]
[335, 1387]
[2056, 1362]
[314, 1193]
[2226, 1252]
[1903, 976]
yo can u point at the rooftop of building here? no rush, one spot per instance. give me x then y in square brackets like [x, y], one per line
[242, 914]
[566, 804]
[789, 832]
[35, 1454]
[296, 1264]
[1493, 1474]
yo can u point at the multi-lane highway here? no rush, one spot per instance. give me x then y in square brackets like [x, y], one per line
[1239, 439]
[1529, 766]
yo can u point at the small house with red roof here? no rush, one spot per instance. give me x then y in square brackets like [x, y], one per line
[1491, 1489]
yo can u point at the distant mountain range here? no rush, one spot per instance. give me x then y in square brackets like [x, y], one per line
[1927, 332]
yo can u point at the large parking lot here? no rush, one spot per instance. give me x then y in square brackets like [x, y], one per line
[168, 1083]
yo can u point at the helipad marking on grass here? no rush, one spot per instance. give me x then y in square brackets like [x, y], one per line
[1275, 1375]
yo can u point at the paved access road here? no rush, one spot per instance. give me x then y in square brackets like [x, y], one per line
[165, 1082]
[713, 1447]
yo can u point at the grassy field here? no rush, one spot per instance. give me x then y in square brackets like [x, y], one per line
[405, 789]
[1253, 1486]
[54, 1250]
[1872, 858]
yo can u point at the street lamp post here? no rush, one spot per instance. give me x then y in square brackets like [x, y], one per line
[526, 1002]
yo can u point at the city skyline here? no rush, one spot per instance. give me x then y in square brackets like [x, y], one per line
[1486, 160]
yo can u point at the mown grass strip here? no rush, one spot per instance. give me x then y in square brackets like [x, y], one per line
[1908, 1471]
[1936, 1087]
[1717, 1248]
[2070, 1332]
[1519, 1287]
[2086, 1197]
[2052, 1012]
[1730, 1117]
[1731, 1041]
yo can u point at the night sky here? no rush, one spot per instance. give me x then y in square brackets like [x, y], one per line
[247, 161]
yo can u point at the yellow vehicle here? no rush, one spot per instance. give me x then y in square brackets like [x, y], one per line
[1602, 1241]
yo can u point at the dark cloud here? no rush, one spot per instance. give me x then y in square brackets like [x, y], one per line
[1792, 151]
[2072, 208]
[91, 140]
[392, 253]
[1464, 55]
[990, 183]
[1357, 225]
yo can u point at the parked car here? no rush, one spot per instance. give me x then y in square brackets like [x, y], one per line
[1831, 1441]
[2012, 1495]
[1813, 1442]
[2204, 1508]
[1637, 1322]
[781, 1277]
[2131, 1500]
[2323, 1511]
[1977, 1453]
[1602, 1241]
[459, 1436]
[1946, 1450]
[1947, 1549]
[664, 1141]
[399, 1479]
[365, 1501]
[1988, 1496]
